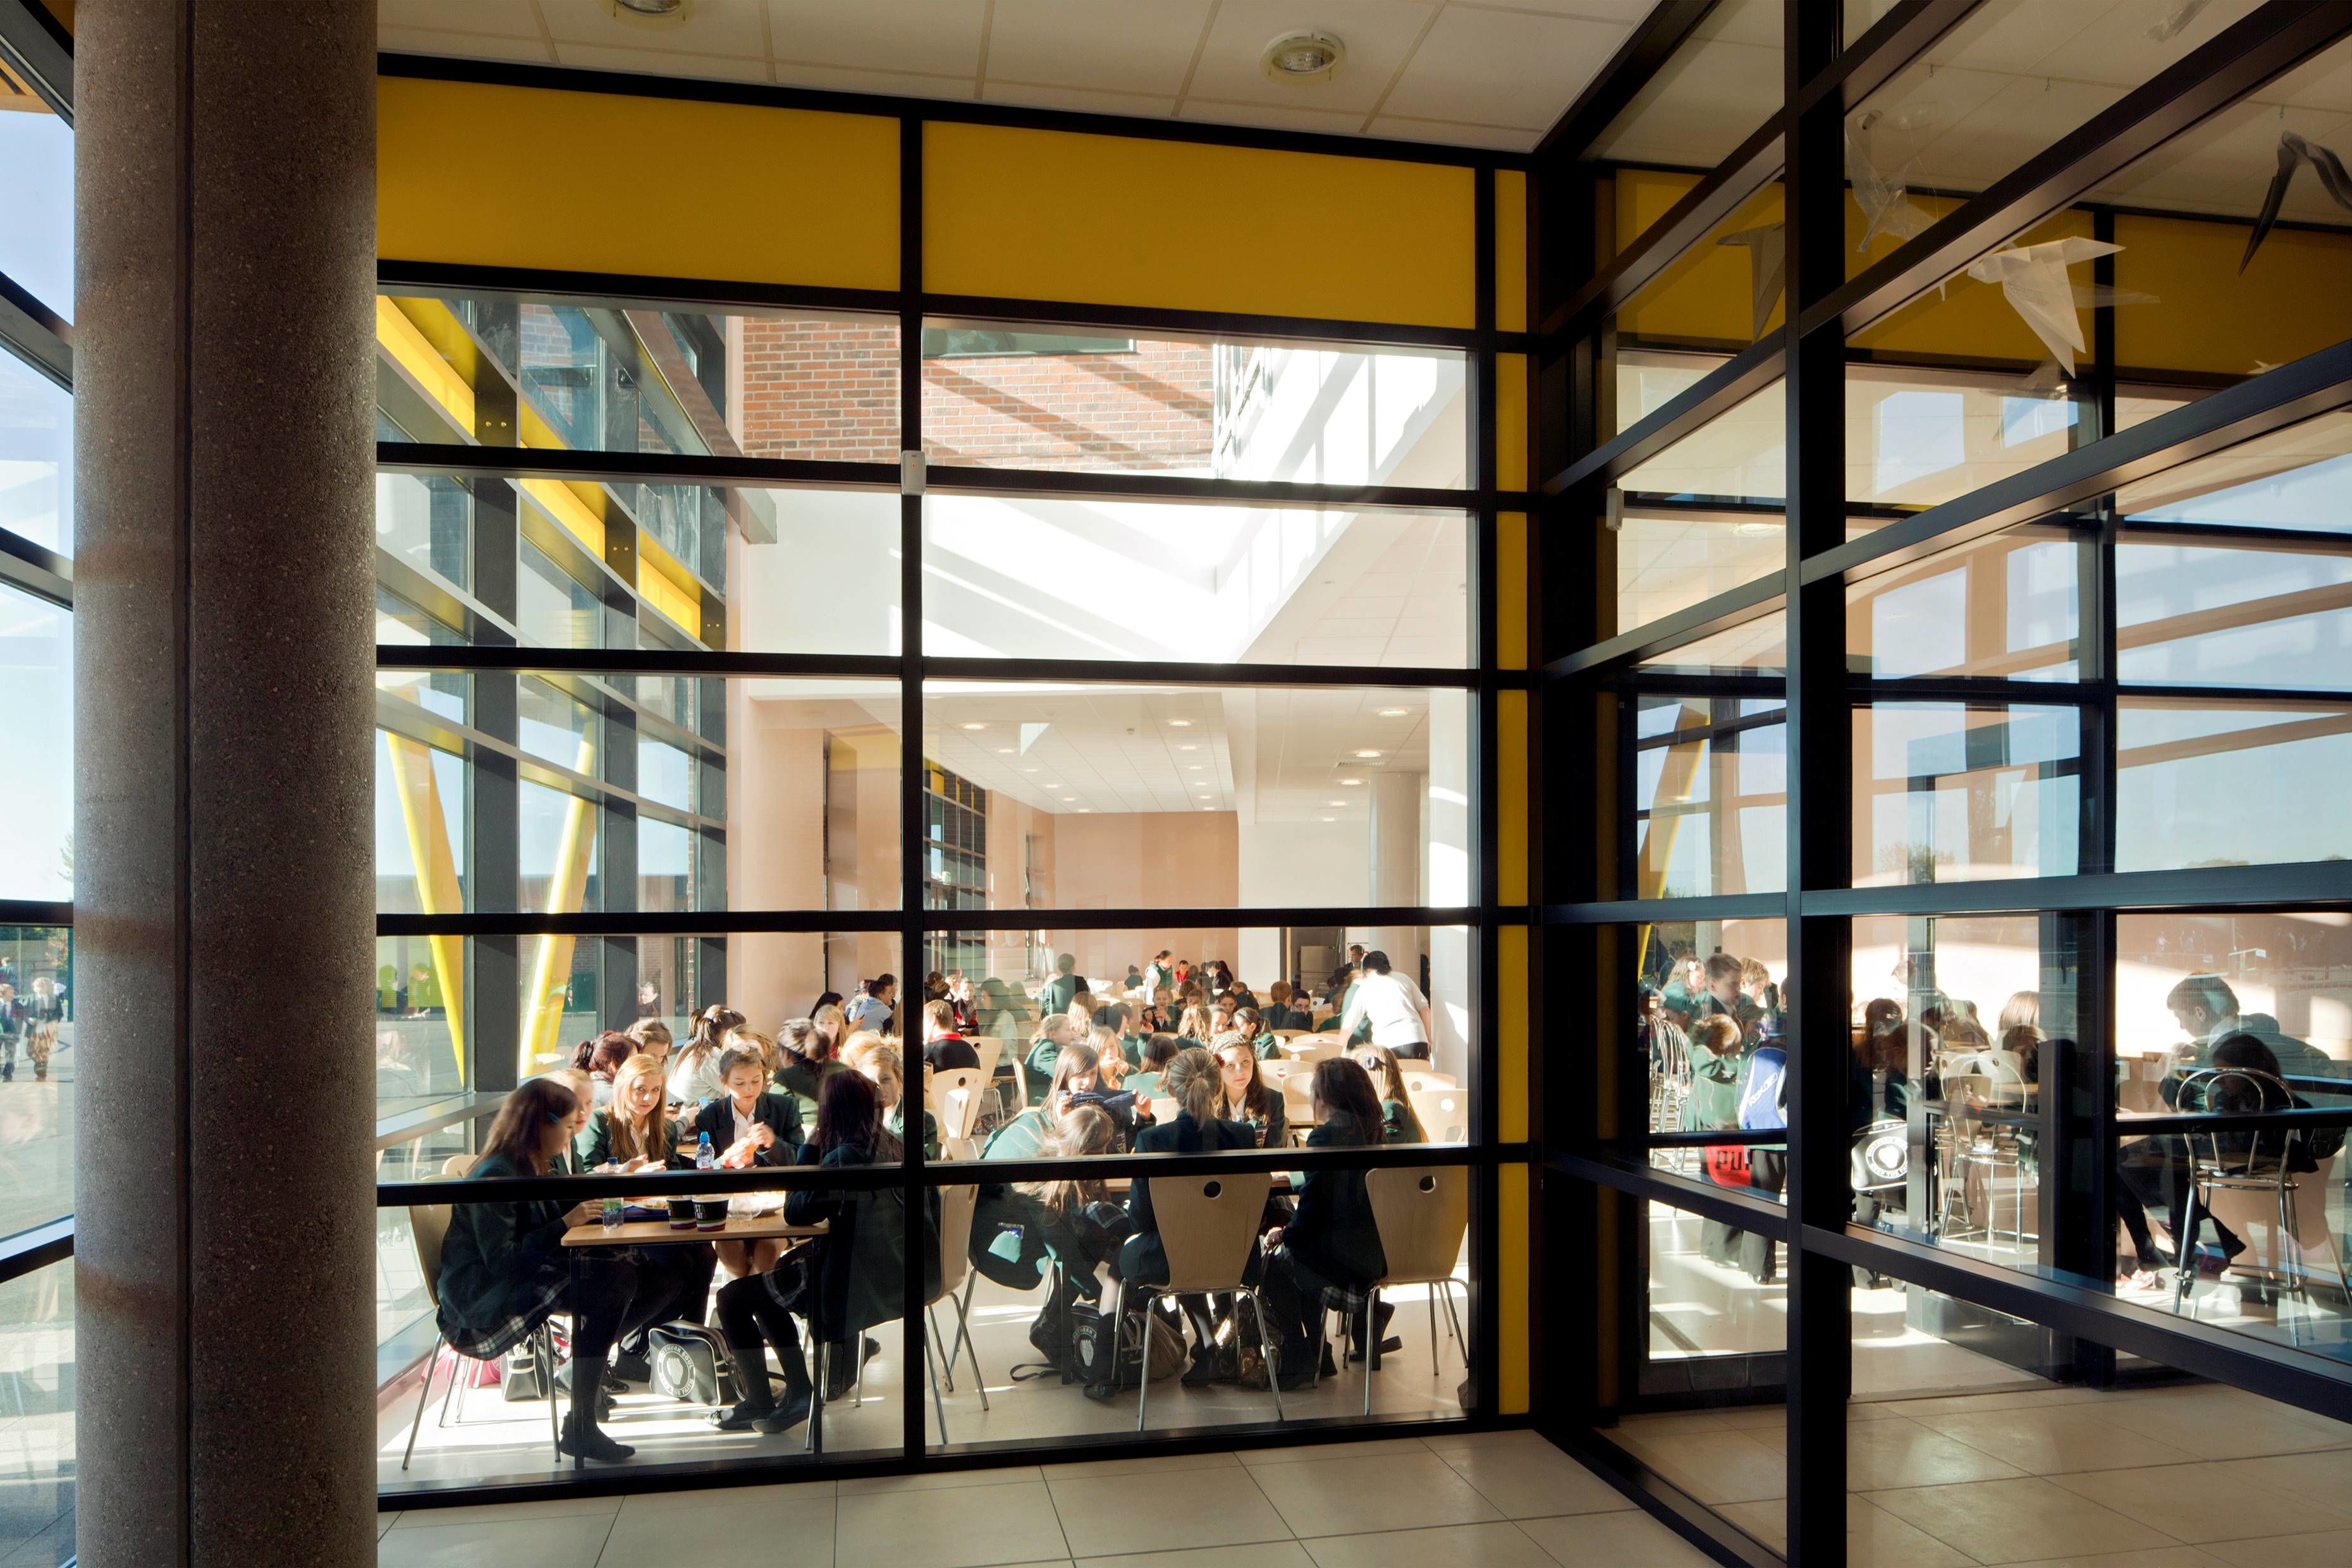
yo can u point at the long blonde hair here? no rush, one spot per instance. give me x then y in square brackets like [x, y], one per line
[1077, 1058]
[1388, 1083]
[1087, 1130]
[653, 1137]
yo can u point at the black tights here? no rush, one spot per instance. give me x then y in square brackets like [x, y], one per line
[748, 1312]
[612, 1298]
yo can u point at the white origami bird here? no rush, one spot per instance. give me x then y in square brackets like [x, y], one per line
[2033, 281]
[1886, 201]
[1768, 259]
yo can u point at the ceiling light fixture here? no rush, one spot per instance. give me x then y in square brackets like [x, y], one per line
[975, 726]
[658, 12]
[1368, 755]
[1302, 58]
[1394, 712]
[1352, 782]
[1333, 803]
[1179, 724]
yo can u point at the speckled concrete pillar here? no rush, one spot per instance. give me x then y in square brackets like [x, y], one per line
[223, 1255]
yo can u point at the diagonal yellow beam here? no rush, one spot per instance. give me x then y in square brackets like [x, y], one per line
[437, 892]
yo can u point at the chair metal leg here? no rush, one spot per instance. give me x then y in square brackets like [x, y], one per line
[1372, 1344]
[1273, 1373]
[555, 1426]
[2184, 1249]
[1118, 1351]
[424, 1397]
[939, 1405]
[813, 1442]
[455, 1395]
[963, 1336]
[1461, 1340]
[1431, 1300]
[931, 1317]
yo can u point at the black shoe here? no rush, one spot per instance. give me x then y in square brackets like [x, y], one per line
[581, 1436]
[1203, 1370]
[1329, 1367]
[1389, 1346]
[788, 1413]
[756, 1403]
[841, 1370]
[630, 1367]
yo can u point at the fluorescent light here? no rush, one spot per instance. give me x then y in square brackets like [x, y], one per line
[1368, 754]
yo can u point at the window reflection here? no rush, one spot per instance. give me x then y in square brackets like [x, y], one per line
[1947, 792]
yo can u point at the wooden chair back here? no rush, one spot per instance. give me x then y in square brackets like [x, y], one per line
[1445, 1114]
[428, 1227]
[1207, 1226]
[955, 1097]
[956, 1205]
[1308, 1049]
[1288, 1034]
[1298, 1098]
[458, 1167]
[1423, 1213]
[1419, 1079]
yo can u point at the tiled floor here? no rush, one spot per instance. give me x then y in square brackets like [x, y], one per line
[1504, 1499]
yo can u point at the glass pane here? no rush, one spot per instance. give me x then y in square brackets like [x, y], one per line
[1918, 436]
[529, 808]
[37, 192]
[37, 1061]
[36, 452]
[485, 1433]
[1708, 784]
[1741, 454]
[1715, 1333]
[37, 852]
[36, 1468]
[1203, 797]
[1168, 581]
[1758, 647]
[1952, 1016]
[611, 377]
[2012, 78]
[1709, 97]
[1045, 1250]
[1090, 403]
[1689, 974]
[1947, 792]
[1724, 293]
[2241, 783]
[2289, 479]
[2219, 614]
[2006, 606]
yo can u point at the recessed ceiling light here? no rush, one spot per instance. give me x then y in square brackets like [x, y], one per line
[975, 726]
[1368, 754]
[1188, 748]
[1351, 781]
[1179, 724]
[1051, 784]
[1385, 713]
[1003, 751]
[1303, 57]
[1083, 809]
[1330, 819]
[648, 10]
[1333, 803]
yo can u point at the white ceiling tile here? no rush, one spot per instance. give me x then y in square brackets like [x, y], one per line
[1119, 45]
[1501, 138]
[512, 18]
[901, 84]
[1379, 35]
[922, 35]
[729, 28]
[1274, 116]
[1622, 13]
[650, 62]
[465, 46]
[1080, 100]
[1502, 67]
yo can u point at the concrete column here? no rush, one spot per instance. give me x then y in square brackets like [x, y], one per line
[224, 585]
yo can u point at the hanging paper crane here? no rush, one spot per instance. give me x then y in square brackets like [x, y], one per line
[1768, 260]
[2170, 25]
[2033, 281]
[2293, 149]
[1885, 203]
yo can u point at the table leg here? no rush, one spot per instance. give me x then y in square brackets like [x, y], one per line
[571, 1271]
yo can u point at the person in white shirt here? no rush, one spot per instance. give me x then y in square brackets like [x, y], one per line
[1397, 1010]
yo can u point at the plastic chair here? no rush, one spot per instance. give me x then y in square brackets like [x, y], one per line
[1308, 1049]
[2249, 1184]
[1272, 1070]
[956, 1205]
[1298, 1101]
[955, 1097]
[428, 1227]
[1445, 1114]
[1419, 1079]
[1422, 1215]
[1288, 1034]
[1208, 1229]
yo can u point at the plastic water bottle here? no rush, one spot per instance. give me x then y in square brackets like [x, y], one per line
[704, 1159]
[613, 1213]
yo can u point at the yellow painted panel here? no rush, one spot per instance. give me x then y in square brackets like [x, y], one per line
[1511, 421]
[1972, 318]
[1512, 981]
[410, 349]
[1117, 220]
[1510, 250]
[2291, 300]
[1643, 197]
[1708, 293]
[1511, 796]
[592, 182]
[669, 586]
[426, 815]
[573, 514]
[1510, 590]
[1512, 1290]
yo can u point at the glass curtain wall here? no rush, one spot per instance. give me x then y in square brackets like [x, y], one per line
[1144, 743]
[38, 994]
[1942, 674]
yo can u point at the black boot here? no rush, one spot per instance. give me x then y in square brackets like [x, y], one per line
[794, 1407]
[1390, 1343]
[582, 1436]
[630, 1366]
[842, 1361]
[754, 1402]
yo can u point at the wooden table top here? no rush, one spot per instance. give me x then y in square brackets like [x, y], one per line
[656, 1232]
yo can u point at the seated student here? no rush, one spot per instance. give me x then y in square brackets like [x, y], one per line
[879, 1060]
[600, 1058]
[694, 1067]
[750, 1124]
[653, 1038]
[1248, 1020]
[576, 1079]
[635, 1131]
[1112, 1018]
[1278, 1012]
[1193, 1030]
[944, 1046]
[1082, 1239]
[819, 1279]
[1333, 1247]
[1158, 1050]
[1078, 1081]
[503, 1268]
[808, 1058]
[1398, 1123]
[963, 1016]
[1241, 1094]
[1056, 1032]
[1158, 1012]
[1082, 1008]
[827, 1017]
[1191, 1079]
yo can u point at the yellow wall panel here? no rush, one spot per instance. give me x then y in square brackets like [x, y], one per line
[2291, 300]
[1643, 196]
[1511, 1038]
[516, 177]
[1512, 1290]
[1117, 220]
[1511, 421]
[1511, 796]
[1510, 590]
[1510, 250]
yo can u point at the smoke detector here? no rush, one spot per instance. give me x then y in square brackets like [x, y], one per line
[649, 12]
[1303, 57]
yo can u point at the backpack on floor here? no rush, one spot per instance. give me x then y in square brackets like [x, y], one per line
[691, 1364]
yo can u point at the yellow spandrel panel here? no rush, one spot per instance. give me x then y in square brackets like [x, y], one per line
[1510, 250]
[2200, 313]
[592, 181]
[1511, 795]
[1118, 220]
[1643, 196]
[1511, 421]
[1512, 1290]
[1510, 590]
[1511, 984]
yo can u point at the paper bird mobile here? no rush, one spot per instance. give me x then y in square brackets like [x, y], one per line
[1885, 203]
[2033, 281]
[2172, 23]
[2293, 149]
[1768, 260]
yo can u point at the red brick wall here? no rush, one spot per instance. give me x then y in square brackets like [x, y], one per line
[829, 389]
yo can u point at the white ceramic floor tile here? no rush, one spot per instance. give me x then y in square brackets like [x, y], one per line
[1508, 1437]
[1455, 1546]
[1364, 1496]
[942, 1480]
[2162, 1557]
[2321, 1479]
[1874, 1538]
[1882, 1454]
[566, 1540]
[1100, 1515]
[1620, 1540]
[2183, 1501]
[727, 1529]
[1095, 1468]
[965, 1527]
[1525, 1483]
[384, 1521]
[2017, 1522]
[1256, 1554]
[1716, 1468]
[2328, 1549]
[1300, 1454]
[2060, 1438]
[505, 1512]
